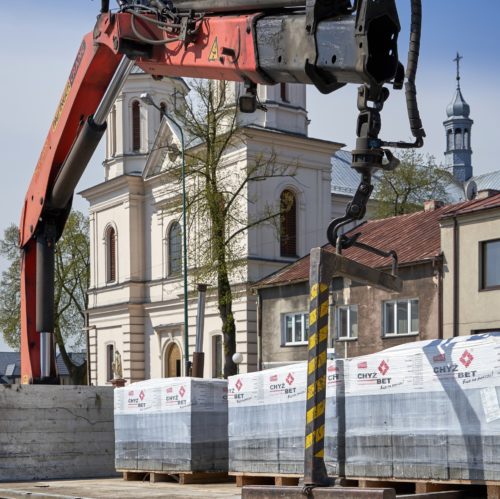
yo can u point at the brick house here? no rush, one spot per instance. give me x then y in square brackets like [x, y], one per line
[363, 319]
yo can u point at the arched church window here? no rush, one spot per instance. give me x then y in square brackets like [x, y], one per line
[110, 255]
[136, 126]
[449, 146]
[458, 139]
[466, 139]
[288, 223]
[174, 249]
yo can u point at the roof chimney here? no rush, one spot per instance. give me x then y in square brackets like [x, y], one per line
[486, 193]
[432, 204]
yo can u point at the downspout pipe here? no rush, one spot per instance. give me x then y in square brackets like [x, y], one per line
[259, 329]
[456, 277]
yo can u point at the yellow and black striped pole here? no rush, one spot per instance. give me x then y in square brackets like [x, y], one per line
[321, 273]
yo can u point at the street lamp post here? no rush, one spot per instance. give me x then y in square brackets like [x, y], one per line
[147, 99]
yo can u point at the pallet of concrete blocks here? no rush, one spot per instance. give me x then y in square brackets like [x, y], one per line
[267, 420]
[172, 425]
[425, 410]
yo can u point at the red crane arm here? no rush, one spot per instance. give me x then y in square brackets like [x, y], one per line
[97, 60]
[327, 48]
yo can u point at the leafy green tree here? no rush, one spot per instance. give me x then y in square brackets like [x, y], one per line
[71, 283]
[415, 180]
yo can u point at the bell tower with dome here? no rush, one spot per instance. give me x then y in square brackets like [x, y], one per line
[458, 126]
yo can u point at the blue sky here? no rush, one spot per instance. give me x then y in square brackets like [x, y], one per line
[39, 41]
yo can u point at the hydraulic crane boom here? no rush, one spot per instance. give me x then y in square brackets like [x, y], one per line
[327, 44]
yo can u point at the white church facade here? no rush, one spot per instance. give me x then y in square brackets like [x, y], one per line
[136, 285]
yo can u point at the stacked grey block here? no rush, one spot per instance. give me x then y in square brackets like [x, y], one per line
[51, 432]
[176, 424]
[267, 421]
[427, 410]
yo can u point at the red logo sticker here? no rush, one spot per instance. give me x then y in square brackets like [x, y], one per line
[363, 365]
[182, 391]
[290, 379]
[274, 377]
[142, 395]
[383, 367]
[466, 358]
[238, 384]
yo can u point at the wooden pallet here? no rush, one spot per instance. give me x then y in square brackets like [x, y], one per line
[406, 487]
[243, 479]
[181, 477]
[491, 488]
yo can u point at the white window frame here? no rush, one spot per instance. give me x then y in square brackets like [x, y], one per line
[350, 336]
[304, 326]
[394, 304]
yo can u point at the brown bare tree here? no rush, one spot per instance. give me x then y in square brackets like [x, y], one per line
[218, 196]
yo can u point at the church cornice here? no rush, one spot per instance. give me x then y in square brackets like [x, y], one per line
[109, 186]
[274, 135]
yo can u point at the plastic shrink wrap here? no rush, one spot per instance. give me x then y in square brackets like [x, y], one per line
[422, 410]
[172, 424]
[267, 420]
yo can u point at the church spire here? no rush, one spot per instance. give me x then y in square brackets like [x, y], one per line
[458, 132]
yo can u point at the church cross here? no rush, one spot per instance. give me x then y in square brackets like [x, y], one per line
[457, 59]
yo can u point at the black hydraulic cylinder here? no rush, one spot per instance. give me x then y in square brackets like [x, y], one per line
[75, 164]
[236, 5]
[45, 282]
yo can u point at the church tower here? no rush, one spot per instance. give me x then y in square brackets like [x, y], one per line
[285, 108]
[133, 125]
[458, 126]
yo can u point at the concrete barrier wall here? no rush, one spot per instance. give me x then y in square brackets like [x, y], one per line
[49, 432]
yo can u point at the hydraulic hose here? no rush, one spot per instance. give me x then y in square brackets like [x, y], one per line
[411, 71]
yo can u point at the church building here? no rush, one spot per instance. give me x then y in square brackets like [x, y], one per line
[136, 290]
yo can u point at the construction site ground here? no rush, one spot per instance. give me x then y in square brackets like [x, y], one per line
[115, 488]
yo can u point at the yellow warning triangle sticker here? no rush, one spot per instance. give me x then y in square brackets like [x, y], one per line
[214, 51]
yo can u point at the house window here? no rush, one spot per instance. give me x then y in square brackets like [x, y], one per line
[288, 224]
[110, 353]
[136, 126]
[174, 249]
[295, 328]
[400, 317]
[346, 322]
[217, 357]
[490, 264]
[111, 255]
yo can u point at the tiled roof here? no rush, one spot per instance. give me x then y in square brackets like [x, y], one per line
[415, 237]
[474, 205]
